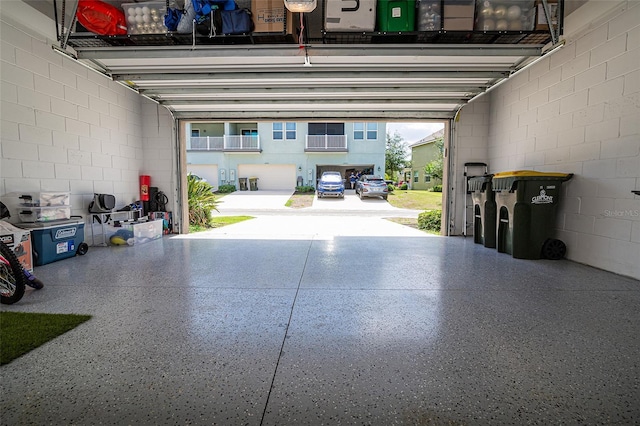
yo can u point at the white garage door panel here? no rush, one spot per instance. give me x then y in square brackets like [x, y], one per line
[270, 176]
[205, 171]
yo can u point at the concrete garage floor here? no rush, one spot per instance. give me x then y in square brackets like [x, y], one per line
[300, 325]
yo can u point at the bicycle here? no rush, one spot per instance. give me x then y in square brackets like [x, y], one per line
[13, 277]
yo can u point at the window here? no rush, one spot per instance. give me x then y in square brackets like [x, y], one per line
[249, 132]
[277, 131]
[358, 131]
[416, 177]
[290, 130]
[195, 133]
[326, 129]
[372, 131]
[427, 178]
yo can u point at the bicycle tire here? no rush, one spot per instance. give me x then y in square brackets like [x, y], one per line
[12, 278]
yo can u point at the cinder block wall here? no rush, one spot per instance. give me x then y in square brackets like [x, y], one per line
[66, 128]
[578, 111]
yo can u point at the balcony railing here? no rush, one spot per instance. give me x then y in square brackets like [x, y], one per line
[225, 143]
[326, 143]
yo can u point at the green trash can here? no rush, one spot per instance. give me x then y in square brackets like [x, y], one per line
[396, 15]
[243, 184]
[526, 203]
[253, 183]
[484, 210]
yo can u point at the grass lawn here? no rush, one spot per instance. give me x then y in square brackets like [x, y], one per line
[415, 199]
[219, 222]
[300, 200]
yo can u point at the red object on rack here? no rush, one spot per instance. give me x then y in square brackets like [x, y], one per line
[145, 182]
[101, 18]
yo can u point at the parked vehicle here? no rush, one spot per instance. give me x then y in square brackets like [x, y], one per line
[371, 186]
[331, 184]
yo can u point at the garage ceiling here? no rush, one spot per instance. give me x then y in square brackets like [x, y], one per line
[246, 78]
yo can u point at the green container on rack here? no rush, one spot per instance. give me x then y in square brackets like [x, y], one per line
[396, 15]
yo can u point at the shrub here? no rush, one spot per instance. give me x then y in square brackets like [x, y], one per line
[430, 220]
[202, 201]
[391, 187]
[226, 189]
[305, 188]
[436, 188]
[404, 187]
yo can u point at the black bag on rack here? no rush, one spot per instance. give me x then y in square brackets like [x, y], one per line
[102, 203]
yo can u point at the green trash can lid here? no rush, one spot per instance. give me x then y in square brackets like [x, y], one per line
[532, 174]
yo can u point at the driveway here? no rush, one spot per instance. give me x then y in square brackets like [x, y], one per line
[255, 203]
[327, 218]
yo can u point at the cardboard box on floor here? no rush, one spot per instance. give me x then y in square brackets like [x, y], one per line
[18, 240]
[270, 16]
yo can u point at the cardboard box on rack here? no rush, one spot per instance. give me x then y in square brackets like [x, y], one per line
[270, 16]
[458, 15]
[18, 240]
[541, 19]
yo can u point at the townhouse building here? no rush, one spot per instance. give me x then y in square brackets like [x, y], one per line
[283, 155]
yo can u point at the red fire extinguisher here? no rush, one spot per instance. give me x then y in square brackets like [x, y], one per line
[145, 182]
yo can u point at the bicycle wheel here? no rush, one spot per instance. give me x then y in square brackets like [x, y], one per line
[12, 279]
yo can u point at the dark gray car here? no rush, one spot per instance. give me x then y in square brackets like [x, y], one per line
[372, 186]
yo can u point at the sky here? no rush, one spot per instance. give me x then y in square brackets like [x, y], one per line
[413, 132]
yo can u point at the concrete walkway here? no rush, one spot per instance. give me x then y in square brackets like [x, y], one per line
[277, 321]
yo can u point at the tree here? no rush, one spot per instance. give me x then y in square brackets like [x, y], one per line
[435, 168]
[395, 156]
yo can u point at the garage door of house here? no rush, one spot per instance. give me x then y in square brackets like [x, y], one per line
[270, 176]
[205, 171]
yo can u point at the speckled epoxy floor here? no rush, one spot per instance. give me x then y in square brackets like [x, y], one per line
[344, 330]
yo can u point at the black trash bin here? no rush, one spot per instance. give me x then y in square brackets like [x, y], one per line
[243, 184]
[526, 203]
[484, 210]
[253, 183]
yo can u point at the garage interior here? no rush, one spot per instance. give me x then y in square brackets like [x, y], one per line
[420, 330]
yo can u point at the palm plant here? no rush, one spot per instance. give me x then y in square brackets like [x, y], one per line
[202, 201]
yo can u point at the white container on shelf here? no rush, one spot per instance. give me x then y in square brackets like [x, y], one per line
[44, 214]
[145, 17]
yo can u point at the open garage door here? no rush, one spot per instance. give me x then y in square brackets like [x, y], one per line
[270, 176]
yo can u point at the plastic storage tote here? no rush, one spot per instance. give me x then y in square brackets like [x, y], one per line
[350, 15]
[526, 203]
[145, 17]
[55, 241]
[484, 210]
[396, 15]
[45, 206]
